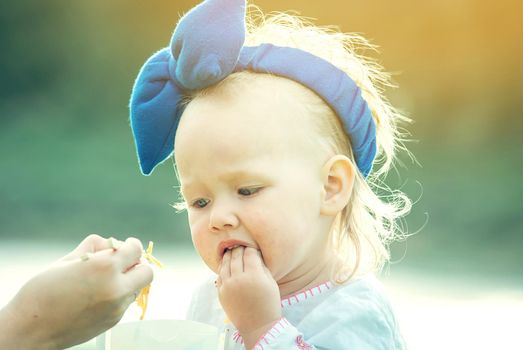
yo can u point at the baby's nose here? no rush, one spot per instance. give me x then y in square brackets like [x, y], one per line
[222, 219]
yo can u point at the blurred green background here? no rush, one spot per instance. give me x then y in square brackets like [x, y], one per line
[67, 155]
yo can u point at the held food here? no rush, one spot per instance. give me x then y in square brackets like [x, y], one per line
[143, 297]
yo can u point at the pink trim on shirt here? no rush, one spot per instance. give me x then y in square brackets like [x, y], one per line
[283, 323]
[305, 294]
[271, 334]
[237, 337]
[302, 345]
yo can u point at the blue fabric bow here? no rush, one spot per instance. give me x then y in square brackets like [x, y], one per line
[207, 46]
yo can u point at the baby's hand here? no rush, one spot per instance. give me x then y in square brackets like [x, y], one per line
[248, 293]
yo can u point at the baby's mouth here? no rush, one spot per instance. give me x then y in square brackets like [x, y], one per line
[231, 244]
[231, 248]
[234, 247]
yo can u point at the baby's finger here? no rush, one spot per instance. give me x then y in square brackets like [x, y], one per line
[237, 260]
[225, 267]
[129, 253]
[268, 272]
[263, 266]
[252, 261]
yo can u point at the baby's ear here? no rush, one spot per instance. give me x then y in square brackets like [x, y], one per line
[337, 176]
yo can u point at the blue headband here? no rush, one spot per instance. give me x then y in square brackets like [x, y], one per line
[207, 46]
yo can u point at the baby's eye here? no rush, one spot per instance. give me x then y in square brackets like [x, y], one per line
[248, 191]
[200, 203]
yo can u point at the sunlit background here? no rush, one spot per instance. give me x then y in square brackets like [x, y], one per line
[68, 165]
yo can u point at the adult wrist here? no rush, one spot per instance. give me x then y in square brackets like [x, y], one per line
[19, 332]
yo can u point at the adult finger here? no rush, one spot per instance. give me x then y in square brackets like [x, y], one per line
[138, 277]
[225, 267]
[252, 261]
[91, 244]
[237, 260]
[94, 243]
[129, 253]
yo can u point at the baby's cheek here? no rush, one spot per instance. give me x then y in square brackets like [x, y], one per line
[204, 248]
[270, 238]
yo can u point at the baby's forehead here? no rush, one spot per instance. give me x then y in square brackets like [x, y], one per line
[242, 121]
[254, 112]
[266, 94]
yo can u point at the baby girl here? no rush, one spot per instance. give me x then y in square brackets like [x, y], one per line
[280, 135]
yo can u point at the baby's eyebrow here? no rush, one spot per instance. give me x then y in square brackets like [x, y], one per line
[228, 176]
[187, 187]
[241, 174]
[183, 190]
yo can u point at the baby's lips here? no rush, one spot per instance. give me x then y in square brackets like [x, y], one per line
[228, 243]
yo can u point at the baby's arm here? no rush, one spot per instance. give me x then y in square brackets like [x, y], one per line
[251, 298]
[248, 293]
[357, 317]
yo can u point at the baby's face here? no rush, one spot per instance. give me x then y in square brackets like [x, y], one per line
[250, 177]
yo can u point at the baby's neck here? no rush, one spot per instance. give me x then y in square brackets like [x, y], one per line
[320, 273]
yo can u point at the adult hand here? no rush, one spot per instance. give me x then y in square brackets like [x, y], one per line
[248, 293]
[77, 298]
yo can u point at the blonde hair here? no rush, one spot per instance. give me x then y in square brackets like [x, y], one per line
[369, 223]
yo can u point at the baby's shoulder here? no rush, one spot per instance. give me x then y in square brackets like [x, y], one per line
[359, 313]
[365, 294]
[364, 287]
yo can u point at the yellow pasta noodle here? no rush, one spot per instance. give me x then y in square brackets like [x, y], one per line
[143, 297]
